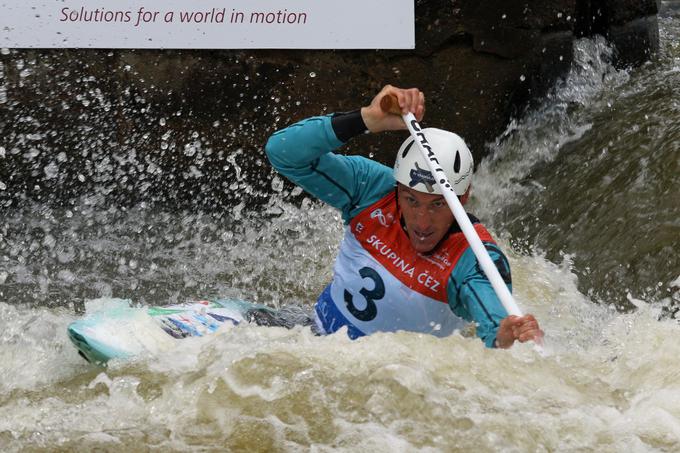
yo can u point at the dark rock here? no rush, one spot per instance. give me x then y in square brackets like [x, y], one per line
[635, 41]
[630, 25]
[188, 127]
[620, 12]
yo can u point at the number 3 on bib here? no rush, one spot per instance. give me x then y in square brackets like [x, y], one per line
[371, 295]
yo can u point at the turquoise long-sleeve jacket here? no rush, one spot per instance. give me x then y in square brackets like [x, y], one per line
[304, 153]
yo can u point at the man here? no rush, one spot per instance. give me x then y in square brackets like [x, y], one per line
[403, 264]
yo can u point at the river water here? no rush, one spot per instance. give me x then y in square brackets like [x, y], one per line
[582, 194]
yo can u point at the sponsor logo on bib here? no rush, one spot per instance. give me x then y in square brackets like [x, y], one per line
[384, 220]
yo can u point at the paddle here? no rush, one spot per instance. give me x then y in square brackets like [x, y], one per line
[390, 104]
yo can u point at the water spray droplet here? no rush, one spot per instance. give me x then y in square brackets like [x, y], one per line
[277, 184]
[189, 150]
[66, 276]
[51, 170]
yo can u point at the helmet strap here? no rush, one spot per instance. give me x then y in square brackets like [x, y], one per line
[464, 198]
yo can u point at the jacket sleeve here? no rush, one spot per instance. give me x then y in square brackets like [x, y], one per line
[472, 297]
[303, 153]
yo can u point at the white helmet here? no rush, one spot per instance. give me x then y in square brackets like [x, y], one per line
[449, 150]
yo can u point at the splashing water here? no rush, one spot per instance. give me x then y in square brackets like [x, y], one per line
[591, 175]
[608, 383]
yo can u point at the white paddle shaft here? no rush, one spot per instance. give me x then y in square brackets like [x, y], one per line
[462, 218]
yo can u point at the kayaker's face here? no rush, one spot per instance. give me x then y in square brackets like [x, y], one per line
[427, 217]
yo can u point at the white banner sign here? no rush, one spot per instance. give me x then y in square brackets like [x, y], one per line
[208, 24]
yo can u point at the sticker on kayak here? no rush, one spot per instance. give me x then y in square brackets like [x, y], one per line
[116, 329]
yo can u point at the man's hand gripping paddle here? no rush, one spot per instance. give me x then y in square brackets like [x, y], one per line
[390, 104]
